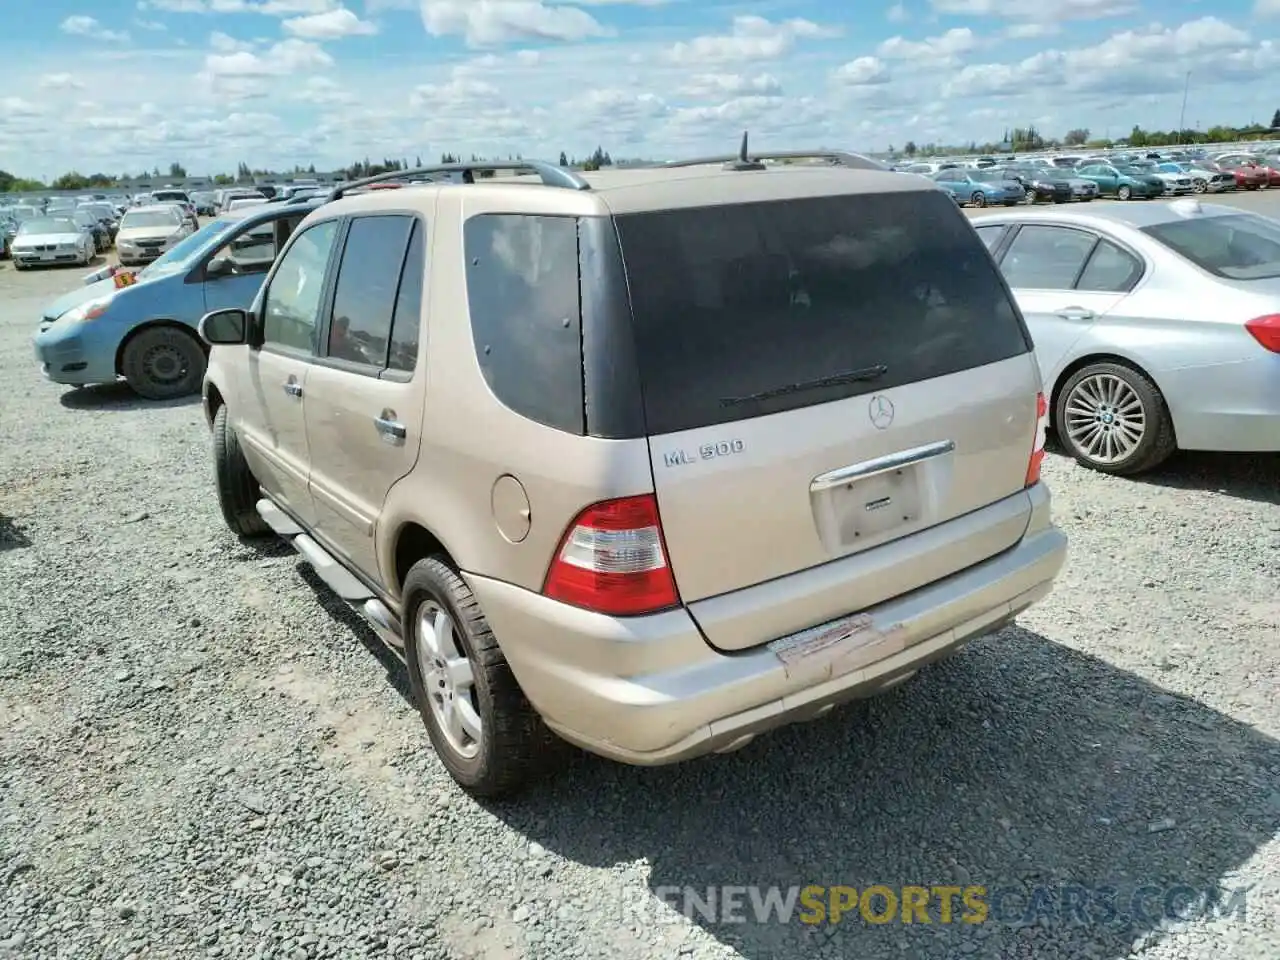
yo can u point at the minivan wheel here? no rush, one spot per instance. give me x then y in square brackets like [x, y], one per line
[237, 487]
[1113, 419]
[162, 363]
[481, 725]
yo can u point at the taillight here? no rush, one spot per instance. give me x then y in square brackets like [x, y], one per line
[613, 560]
[1266, 330]
[1037, 452]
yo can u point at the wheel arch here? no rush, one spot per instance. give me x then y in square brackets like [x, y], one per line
[151, 325]
[212, 401]
[410, 543]
[1090, 359]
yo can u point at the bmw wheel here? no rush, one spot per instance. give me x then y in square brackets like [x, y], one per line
[1113, 419]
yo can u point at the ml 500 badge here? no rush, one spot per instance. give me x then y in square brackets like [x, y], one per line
[708, 451]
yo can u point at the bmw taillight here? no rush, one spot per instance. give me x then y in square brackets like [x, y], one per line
[1266, 330]
[613, 560]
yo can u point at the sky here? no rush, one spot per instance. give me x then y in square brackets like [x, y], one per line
[125, 85]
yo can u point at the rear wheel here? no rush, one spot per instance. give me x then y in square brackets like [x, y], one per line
[1199, 186]
[1124, 193]
[237, 488]
[482, 727]
[978, 198]
[1113, 419]
[161, 363]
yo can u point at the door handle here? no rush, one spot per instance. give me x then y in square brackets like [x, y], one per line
[1075, 313]
[392, 430]
[293, 388]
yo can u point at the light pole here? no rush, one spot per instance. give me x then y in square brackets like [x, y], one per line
[1182, 116]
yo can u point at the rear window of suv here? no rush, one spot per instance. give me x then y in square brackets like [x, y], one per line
[739, 309]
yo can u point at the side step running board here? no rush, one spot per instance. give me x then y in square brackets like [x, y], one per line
[336, 576]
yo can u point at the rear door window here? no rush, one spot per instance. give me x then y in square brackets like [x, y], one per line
[753, 309]
[1110, 270]
[1046, 258]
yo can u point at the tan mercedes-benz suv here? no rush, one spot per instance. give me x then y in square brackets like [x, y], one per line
[651, 459]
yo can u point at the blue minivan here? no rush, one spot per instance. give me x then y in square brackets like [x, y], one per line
[143, 326]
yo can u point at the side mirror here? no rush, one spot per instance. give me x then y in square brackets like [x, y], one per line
[218, 267]
[228, 327]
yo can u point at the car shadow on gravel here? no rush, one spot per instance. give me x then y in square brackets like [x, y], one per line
[1242, 475]
[117, 396]
[1018, 766]
[340, 610]
[11, 535]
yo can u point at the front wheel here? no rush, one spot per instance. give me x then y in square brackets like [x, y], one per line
[482, 727]
[163, 363]
[978, 199]
[1113, 419]
[237, 488]
[1125, 193]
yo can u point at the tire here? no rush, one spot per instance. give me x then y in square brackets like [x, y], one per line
[1199, 186]
[162, 363]
[978, 198]
[1124, 193]
[514, 744]
[1156, 441]
[237, 487]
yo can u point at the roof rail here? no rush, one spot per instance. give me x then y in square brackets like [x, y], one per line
[550, 174]
[743, 160]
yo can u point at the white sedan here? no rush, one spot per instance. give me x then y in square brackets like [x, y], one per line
[51, 240]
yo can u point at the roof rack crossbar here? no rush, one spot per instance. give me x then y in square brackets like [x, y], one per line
[550, 174]
[837, 158]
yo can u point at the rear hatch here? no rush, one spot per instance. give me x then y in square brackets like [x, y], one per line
[821, 378]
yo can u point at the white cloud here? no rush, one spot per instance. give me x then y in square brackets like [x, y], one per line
[940, 51]
[82, 26]
[488, 22]
[751, 38]
[333, 25]
[17, 107]
[154, 26]
[862, 72]
[897, 14]
[59, 81]
[1266, 8]
[1143, 60]
[275, 8]
[1056, 12]
[222, 43]
[1029, 31]
[732, 84]
[283, 59]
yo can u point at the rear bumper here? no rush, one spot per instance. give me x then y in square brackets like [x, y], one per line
[650, 690]
[1226, 407]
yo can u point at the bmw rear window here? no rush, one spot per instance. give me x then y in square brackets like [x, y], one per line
[1236, 246]
[739, 310]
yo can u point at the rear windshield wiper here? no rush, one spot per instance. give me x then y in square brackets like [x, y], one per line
[835, 380]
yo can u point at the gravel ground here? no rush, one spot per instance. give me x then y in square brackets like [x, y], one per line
[203, 754]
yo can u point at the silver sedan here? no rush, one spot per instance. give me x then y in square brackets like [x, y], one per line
[1157, 327]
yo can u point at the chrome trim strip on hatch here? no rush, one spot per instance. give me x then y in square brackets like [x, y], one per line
[869, 468]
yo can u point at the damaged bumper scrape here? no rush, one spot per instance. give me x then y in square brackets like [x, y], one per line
[833, 649]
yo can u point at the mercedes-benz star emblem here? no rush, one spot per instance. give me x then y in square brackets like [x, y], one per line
[881, 412]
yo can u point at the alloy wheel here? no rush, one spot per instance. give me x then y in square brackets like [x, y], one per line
[1105, 418]
[448, 680]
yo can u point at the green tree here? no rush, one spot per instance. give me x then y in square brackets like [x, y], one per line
[564, 159]
[1077, 137]
[910, 148]
[177, 171]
